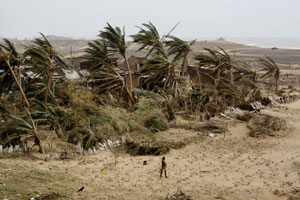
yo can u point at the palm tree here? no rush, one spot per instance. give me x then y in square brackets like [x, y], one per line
[109, 81]
[9, 58]
[43, 56]
[179, 48]
[24, 126]
[272, 70]
[47, 113]
[98, 54]
[115, 39]
[149, 38]
[160, 70]
[218, 62]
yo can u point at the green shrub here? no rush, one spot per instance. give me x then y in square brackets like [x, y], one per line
[150, 115]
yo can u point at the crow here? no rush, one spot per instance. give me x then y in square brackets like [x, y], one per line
[81, 189]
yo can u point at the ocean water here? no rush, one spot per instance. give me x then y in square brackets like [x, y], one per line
[268, 42]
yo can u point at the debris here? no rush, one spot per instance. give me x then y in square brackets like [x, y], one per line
[266, 125]
[179, 195]
[244, 117]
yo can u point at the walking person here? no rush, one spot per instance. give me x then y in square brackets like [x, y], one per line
[163, 167]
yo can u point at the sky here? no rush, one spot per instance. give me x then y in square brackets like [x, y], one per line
[198, 18]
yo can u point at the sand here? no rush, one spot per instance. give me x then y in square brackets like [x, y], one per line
[234, 167]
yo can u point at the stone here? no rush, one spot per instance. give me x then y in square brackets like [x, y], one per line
[10, 149]
[123, 139]
[17, 148]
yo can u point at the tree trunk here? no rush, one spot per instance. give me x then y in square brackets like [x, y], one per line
[217, 84]
[130, 95]
[37, 139]
[277, 84]
[184, 63]
[167, 78]
[199, 80]
[20, 95]
[49, 81]
[129, 74]
[18, 83]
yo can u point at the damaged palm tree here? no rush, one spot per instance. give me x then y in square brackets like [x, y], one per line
[47, 113]
[150, 39]
[43, 57]
[109, 81]
[272, 71]
[22, 127]
[160, 71]
[10, 59]
[98, 54]
[115, 39]
[180, 49]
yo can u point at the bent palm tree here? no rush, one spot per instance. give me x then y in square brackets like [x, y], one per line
[159, 70]
[115, 39]
[10, 59]
[272, 70]
[43, 56]
[179, 48]
[98, 54]
[24, 126]
[6, 57]
[149, 38]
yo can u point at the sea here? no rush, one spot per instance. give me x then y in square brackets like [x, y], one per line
[268, 42]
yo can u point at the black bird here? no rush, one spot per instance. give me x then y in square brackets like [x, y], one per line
[81, 189]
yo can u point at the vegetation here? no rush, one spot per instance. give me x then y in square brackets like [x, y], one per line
[78, 115]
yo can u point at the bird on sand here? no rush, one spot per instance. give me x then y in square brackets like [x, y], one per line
[81, 189]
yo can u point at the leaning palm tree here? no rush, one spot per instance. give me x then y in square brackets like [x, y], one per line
[98, 54]
[16, 60]
[160, 70]
[115, 39]
[23, 126]
[44, 58]
[9, 55]
[109, 81]
[272, 70]
[219, 64]
[180, 49]
[47, 113]
[150, 39]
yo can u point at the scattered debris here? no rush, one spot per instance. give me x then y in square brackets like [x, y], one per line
[246, 116]
[158, 148]
[179, 195]
[211, 127]
[266, 125]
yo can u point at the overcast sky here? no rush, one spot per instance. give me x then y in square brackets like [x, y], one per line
[198, 18]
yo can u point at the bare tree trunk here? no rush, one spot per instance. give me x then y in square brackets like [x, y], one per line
[20, 95]
[18, 83]
[184, 63]
[49, 81]
[129, 74]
